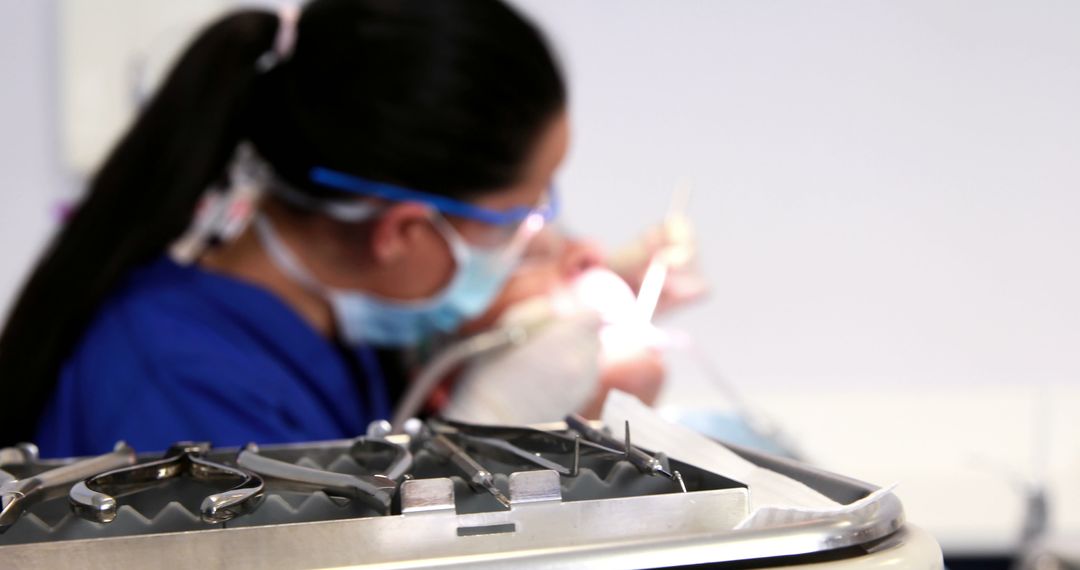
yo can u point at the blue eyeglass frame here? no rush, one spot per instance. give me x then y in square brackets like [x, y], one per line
[356, 185]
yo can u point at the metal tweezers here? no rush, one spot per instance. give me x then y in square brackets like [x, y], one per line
[492, 441]
[95, 498]
[512, 444]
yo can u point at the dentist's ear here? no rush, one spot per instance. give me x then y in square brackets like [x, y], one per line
[399, 228]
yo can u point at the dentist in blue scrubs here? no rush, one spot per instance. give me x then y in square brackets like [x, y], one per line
[404, 153]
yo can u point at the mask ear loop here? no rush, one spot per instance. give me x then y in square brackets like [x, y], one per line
[459, 248]
[286, 261]
[347, 212]
[510, 252]
[283, 257]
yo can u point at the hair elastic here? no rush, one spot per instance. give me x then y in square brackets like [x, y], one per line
[288, 16]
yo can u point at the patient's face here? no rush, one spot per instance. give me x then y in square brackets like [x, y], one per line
[552, 261]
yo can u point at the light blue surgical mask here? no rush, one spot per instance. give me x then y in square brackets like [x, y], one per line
[363, 318]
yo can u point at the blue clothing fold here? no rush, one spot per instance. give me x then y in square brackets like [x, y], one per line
[181, 353]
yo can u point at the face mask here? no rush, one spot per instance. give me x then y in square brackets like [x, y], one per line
[360, 317]
[363, 318]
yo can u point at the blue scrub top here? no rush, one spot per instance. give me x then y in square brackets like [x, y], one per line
[180, 353]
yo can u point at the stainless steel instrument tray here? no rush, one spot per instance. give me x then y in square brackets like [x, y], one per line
[656, 530]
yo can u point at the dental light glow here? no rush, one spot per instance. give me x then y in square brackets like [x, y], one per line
[625, 329]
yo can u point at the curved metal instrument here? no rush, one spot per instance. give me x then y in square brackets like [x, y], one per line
[95, 498]
[377, 490]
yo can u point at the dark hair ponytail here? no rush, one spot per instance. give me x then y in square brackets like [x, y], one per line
[140, 201]
[445, 96]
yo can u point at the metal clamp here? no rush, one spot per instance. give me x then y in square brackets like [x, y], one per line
[95, 498]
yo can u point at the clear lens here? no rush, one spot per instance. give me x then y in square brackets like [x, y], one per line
[493, 236]
[547, 245]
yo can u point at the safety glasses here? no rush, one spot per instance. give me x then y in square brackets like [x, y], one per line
[448, 206]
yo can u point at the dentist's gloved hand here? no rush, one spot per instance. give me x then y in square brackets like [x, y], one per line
[640, 373]
[589, 339]
[554, 372]
[675, 243]
[630, 356]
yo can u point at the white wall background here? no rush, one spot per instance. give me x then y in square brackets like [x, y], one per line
[886, 191]
[31, 173]
[886, 195]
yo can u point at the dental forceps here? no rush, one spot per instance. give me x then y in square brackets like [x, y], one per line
[644, 462]
[95, 498]
[16, 495]
[377, 490]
